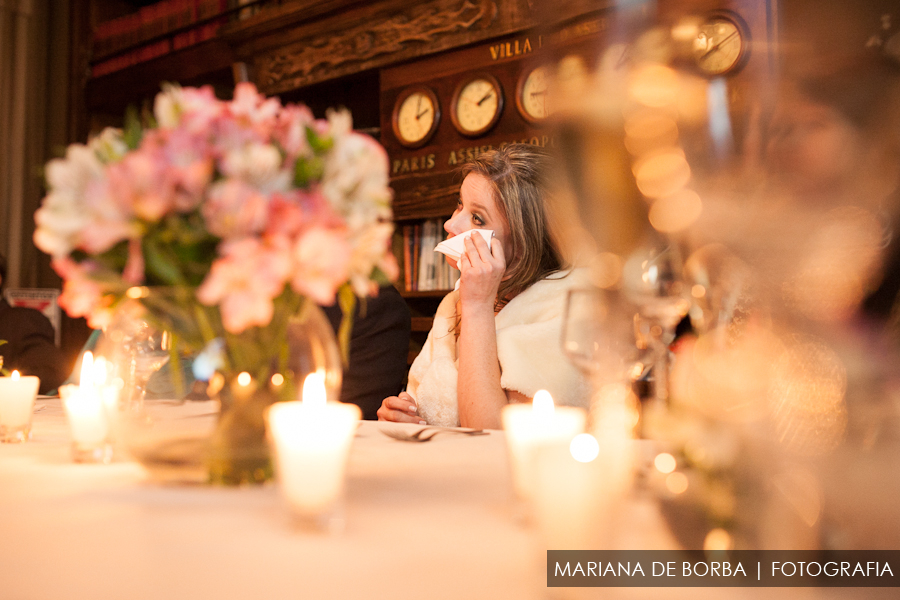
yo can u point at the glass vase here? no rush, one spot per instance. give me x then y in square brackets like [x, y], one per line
[238, 451]
[218, 435]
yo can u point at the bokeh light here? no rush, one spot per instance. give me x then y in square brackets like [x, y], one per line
[662, 173]
[718, 539]
[676, 482]
[584, 447]
[677, 212]
[664, 462]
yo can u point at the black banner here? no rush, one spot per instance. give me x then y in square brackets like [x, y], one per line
[736, 568]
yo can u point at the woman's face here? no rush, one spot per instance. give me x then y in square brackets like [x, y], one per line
[477, 209]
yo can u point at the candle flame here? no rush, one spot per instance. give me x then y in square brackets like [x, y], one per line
[314, 389]
[87, 369]
[14, 375]
[542, 405]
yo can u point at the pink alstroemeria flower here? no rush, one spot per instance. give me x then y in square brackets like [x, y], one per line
[252, 108]
[234, 209]
[81, 296]
[320, 258]
[243, 282]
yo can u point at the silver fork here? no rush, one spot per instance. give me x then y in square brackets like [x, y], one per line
[426, 433]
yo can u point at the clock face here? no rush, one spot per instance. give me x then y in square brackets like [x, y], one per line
[416, 116]
[532, 95]
[477, 105]
[720, 46]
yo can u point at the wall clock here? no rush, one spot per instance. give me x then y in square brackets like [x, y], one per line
[531, 94]
[721, 45]
[416, 116]
[477, 104]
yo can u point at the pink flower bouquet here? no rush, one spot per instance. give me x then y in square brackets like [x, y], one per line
[240, 210]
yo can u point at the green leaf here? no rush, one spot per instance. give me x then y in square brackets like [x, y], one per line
[159, 266]
[132, 132]
[175, 367]
[347, 301]
[320, 145]
[308, 170]
[380, 277]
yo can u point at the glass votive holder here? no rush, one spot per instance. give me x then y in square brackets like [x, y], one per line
[89, 424]
[579, 492]
[311, 444]
[529, 427]
[17, 396]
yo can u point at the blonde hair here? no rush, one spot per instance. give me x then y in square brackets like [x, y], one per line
[517, 175]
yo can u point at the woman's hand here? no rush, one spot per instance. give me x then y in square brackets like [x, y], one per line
[481, 270]
[400, 409]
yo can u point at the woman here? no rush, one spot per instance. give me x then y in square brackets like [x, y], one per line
[496, 339]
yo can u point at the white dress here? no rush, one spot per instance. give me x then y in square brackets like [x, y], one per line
[529, 330]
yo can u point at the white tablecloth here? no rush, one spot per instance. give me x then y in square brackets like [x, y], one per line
[423, 521]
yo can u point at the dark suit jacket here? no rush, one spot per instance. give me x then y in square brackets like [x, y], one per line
[29, 346]
[379, 345]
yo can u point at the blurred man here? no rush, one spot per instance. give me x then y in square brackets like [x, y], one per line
[29, 346]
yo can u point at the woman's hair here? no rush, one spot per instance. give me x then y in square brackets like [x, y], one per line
[517, 174]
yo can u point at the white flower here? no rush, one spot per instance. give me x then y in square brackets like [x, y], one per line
[369, 247]
[63, 214]
[109, 145]
[260, 165]
[340, 122]
[73, 173]
[167, 106]
[355, 181]
[59, 221]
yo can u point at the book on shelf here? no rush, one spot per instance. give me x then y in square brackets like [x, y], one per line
[425, 270]
[151, 22]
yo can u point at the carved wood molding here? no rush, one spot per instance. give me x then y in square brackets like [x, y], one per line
[369, 44]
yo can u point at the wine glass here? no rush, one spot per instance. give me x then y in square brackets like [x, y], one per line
[653, 281]
[596, 336]
[137, 349]
[148, 348]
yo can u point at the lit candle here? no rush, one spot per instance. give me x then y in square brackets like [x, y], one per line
[87, 413]
[312, 442]
[572, 506]
[529, 427]
[579, 488]
[17, 396]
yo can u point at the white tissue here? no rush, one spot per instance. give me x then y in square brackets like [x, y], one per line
[455, 246]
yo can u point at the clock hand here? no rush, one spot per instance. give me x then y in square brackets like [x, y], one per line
[540, 93]
[716, 47]
[424, 112]
[486, 96]
[418, 105]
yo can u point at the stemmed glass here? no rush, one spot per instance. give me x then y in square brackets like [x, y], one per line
[596, 336]
[148, 348]
[653, 281]
[137, 349]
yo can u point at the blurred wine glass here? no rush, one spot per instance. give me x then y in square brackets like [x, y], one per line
[596, 336]
[653, 281]
[137, 349]
[149, 351]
